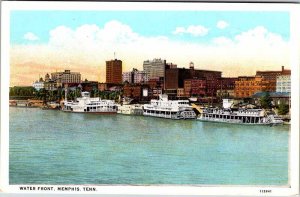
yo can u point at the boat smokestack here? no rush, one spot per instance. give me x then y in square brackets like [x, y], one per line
[66, 91]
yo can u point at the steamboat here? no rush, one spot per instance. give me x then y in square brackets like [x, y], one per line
[86, 104]
[238, 116]
[171, 109]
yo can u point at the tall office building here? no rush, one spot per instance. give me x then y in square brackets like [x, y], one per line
[154, 68]
[65, 77]
[114, 71]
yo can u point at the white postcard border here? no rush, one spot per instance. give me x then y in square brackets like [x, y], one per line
[294, 11]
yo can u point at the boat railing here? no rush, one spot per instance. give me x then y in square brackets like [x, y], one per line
[240, 112]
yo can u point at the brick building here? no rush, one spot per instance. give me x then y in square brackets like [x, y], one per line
[225, 87]
[263, 81]
[89, 85]
[246, 86]
[114, 71]
[156, 82]
[170, 65]
[134, 91]
[271, 76]
[175, 78]
[107, 86]
[155, 86]
[195, 87]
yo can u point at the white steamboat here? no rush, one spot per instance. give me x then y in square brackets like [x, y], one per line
[238, 116]
[86, 104]
[171, 109]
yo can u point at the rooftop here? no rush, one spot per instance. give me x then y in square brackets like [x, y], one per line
[272, 94]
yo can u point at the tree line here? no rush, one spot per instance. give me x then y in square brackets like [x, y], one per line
[58, 94]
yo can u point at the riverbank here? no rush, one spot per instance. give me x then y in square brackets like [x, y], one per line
[26, 103]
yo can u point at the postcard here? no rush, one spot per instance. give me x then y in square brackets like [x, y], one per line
[181, 98]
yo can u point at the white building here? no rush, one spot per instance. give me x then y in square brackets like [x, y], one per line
[283, 83]
[140, 77]
[39, 84]
[154, 68]
[66, 77]
[127, 77]
[135, 76]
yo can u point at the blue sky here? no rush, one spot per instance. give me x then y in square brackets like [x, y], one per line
[234, 42]
[150, 23]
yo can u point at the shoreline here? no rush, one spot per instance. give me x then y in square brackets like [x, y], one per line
[285, 122]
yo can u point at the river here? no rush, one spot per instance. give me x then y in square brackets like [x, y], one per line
[54, 147]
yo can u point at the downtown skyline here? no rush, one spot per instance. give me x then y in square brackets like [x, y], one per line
[82, 41]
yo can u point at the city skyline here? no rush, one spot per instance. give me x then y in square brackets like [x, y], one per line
[83, 41]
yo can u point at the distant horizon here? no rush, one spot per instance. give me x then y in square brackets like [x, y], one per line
[233, 42]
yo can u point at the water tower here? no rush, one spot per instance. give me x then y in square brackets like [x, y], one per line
[191, 65]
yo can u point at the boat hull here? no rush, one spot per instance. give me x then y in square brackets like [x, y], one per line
[165, 117]
[176, 116]
[89, 112]
[238, 123]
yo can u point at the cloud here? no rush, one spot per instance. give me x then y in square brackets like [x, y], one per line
[222, 24]
[195, 30]
[30, 36]
[86, 48]
[91, 36]
[222, 41]
[259, 36]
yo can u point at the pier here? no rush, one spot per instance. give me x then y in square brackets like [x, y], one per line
[26, 103]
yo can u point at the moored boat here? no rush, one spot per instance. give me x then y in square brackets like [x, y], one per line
[171, 109]
[239, 116]
[86, 104]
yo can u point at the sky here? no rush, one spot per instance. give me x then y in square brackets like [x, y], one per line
[234, 42]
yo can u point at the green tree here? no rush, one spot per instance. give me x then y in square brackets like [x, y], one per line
[60, 94]
[105, 95]
[266, 101]
[283, 109]
[73, 94]
[22, 92]
[77, 92]
[42, 94]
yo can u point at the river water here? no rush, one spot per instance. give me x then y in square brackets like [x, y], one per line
[54, 147]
